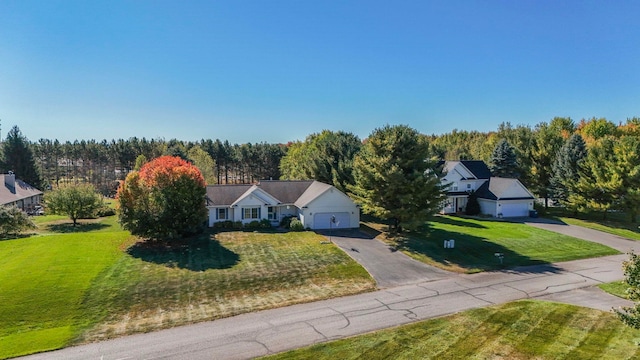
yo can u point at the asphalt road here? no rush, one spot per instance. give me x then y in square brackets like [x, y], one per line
[271, 331]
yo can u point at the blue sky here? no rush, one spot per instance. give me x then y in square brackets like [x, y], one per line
[277, 71]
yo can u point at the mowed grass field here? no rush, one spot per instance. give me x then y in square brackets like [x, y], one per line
[66, 285]
[519, 330]
[478, 241]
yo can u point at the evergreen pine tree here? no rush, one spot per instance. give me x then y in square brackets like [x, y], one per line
[503, 162]
[18, 157]
[566, 167]
[473, 206]
[394, 180]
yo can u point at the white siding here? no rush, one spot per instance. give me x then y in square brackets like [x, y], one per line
[331, 201]
[488, 207]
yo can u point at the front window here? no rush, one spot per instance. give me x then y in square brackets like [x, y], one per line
[222, 214]
[251, 213]
[271, 212]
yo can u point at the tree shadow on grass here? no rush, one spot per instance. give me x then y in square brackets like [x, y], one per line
[472, 253]
[68, 227]
[451, 220]
[195, 254]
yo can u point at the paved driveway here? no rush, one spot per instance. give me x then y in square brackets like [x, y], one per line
[387, 266]
[619, 243]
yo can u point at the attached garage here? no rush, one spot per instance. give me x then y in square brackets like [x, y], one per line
[341, 220]
[514, 209]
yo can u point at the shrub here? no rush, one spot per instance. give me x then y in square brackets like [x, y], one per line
[237, 225]
[255, 224]
[105, 210]
[296, 225]
[227, 225]
[265, 224]
[286, 221]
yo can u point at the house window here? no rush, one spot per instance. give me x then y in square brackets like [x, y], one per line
[454, 186]
[271, 213]
[251, 213]
[468, 186]
[222, 214]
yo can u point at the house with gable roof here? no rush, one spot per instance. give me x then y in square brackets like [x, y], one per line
[498, 197]
[15, 192]
[317, 205]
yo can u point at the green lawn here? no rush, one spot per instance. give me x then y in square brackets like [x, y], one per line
[70, 284]
[477, 242]
[43, 282]
[617, 288]
[519, 330]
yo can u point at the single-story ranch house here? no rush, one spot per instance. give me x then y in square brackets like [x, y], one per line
[498, 197]
[15, 192]
[317, 205]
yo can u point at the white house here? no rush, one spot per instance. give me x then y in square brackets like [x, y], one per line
[317, 205]
[15, 192]
[498, 197]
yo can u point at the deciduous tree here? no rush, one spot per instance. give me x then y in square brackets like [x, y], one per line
[394, 178]
[14, 221]
[165, 200]
[79, 201]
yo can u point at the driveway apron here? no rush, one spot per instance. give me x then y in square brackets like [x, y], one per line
[387, 266]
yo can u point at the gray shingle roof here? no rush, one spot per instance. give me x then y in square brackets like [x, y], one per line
[20, 191]
[285, 191]
[477, 168]
[496, 186]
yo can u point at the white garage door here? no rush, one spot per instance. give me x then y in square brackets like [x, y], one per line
[515, 210]
[323, 220]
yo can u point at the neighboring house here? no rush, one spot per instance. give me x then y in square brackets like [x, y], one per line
[498, 197]
[17, 193]
[317, 205]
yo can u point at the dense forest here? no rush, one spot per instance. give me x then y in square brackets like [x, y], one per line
[592, 164]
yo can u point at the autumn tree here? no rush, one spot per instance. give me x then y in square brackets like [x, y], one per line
[165, 200]
[394, 179]
[78, 201]
[503, 162]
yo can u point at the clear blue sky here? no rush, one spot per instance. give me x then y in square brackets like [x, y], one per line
[277, 71]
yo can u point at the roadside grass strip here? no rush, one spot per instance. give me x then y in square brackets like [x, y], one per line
[482, 245]
[525, 329]
[617, 288]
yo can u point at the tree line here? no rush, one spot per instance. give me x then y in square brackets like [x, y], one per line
[593, 164]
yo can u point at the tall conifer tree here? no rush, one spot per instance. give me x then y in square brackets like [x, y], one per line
[503, 162]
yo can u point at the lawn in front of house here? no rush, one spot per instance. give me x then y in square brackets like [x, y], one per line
[220, 275]
[478, 241]
[525, 329]
[68, 284]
